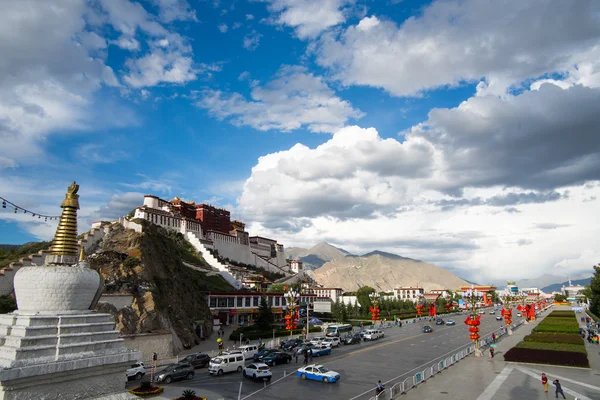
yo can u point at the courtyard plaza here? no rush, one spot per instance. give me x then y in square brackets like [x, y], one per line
[400, 354]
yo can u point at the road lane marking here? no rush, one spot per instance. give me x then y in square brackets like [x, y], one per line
[490, 391]
[530, 371]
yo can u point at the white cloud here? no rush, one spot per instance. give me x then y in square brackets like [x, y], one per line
[309, 17]
[173, 10]
[223, 28]
[453, 42]
[294, 98]
[249, 17]
[127, 43]
[252, 40]
[160, 66]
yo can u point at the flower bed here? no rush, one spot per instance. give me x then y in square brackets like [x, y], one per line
[146, 391]
[189, 398]
[561, 314]
[578, 348]
[551, 357]
[554, 338]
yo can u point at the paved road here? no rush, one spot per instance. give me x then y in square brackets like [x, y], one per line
[401, 351]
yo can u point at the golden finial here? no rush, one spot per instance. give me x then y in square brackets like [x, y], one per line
[82, 254]
[65, 238]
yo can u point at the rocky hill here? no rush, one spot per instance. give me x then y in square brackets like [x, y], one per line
[166, 278]
[317, 255]
[384, 272]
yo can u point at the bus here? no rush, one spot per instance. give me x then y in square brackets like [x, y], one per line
[339, 330]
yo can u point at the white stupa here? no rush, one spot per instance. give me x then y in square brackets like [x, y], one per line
[54, 346]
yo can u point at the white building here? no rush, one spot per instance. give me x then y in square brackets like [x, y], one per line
[409, 293]
[296, 266]
[442, 292]
[573, 292]
[333, 293]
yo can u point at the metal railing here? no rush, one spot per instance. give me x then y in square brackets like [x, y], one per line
[419, 377]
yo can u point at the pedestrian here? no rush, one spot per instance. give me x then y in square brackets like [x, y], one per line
[545, 382]
[491, 352]
[305, 357]
[310, 354]
[558, 389]
[296, 358]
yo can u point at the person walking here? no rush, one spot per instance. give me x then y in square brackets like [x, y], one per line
[545, 382]
[305, 357]
[558, 389]
[296, 358]
[310, 354]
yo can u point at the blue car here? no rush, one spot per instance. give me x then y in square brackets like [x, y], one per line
[321, 351]
[318, 373]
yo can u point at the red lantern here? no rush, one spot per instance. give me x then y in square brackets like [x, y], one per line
[288, 322]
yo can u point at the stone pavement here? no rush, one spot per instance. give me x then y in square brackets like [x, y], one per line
[483, 378]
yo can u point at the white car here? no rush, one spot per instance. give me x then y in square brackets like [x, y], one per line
[136, 371]
[318, 373]
[257, 371]
[332, 341]
[317, 340]
[372, 334]
[519, 315]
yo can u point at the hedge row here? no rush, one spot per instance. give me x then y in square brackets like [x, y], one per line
[554, 338]
[561, 314]
[536, 356]
[578, 348]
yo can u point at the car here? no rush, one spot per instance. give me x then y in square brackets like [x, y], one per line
[321, 350]
[450, 322]
[173, 372]
[303, 347]
[277, 358]
[492, 312]
[439, 321]
[498, 318]
[198, 360]
[291, 344]
[427, 329]
[353, 339]
[373, 334]
[519, 315]
[263, 353]
[257, 371]
[317, 340]
[136, 371]
[481, 311]
[318, 373]
[332, 341]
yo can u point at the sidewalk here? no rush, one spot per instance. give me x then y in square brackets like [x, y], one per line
[483, 378]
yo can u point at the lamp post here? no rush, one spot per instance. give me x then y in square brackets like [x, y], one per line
[374, 308]
[291, 298]
[472, 297]
[507, 300]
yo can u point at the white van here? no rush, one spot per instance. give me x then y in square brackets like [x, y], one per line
[248, 350]
[226, 363]
[373, 334]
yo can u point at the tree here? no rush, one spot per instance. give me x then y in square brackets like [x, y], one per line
[595, 289]
[343, 313]
[362, 296]
[265, 318]
[560, 297]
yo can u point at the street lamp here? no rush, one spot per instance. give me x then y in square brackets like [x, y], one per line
[472, 297]
[374, 308]
[507, 299]
[291, 298]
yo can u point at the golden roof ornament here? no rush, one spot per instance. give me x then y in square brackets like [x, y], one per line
[65, 238]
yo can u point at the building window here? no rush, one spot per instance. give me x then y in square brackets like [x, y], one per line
[276, 301]
[247, 301]
[240, 301]
[256, 301]
[270, 301]
[231, 302]
[213, 302]
[221, 302]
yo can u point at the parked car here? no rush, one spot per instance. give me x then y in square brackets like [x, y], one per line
[277, 358]
[136, 371]
[226, 363]
[317, 340]
[498, 318]
[263, 353]
[332, 341]
[291, 344]
[372, 334]
[198, 360]
[492, 312]
[353, 339]
[427, 329]
[173, 372]
[318, 373]
[248, 350]
[303, 347]
[450, 322]
[257, 371]
[321, 350]
[439, 321]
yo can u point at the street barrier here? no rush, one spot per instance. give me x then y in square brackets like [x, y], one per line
[413, 381]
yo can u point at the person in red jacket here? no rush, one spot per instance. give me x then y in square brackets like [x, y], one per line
[545, 382]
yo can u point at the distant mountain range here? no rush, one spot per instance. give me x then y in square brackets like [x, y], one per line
[317, 255]
[557, 286]
[7, 247]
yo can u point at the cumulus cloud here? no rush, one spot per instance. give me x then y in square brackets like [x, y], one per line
[173, 10]
[118, 205]
[252, 40]
[223, 28]
[294, 98]
[453, 42]
[309, 17]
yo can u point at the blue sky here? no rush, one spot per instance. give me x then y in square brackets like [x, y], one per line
[458, 132]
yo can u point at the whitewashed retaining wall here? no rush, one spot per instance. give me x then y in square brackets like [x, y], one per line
[148, 343]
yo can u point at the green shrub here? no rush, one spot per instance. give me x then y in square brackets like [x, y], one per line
[537, 356]
[556, 328]
[578, 348]
[561, 314]
[554, 338]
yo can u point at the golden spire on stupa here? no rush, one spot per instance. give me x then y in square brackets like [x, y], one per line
[65, 238]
